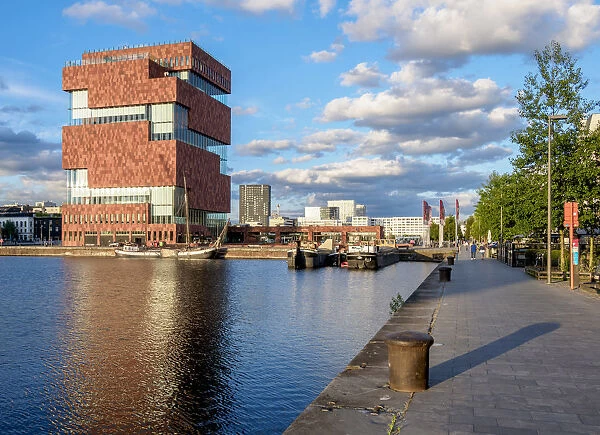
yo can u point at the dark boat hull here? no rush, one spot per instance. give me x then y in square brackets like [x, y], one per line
[372, 260]
[307, 258]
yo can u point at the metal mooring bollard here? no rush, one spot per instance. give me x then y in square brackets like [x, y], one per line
[408, 359]
[445, 273]
[450, 260]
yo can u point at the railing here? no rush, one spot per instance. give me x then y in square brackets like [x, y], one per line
[110, 59]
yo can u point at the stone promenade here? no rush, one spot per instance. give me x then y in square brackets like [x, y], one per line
[512, 355]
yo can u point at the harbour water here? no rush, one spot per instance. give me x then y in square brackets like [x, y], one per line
[105, 345]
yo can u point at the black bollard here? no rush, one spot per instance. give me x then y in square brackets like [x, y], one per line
[408, 359]
[445, 273]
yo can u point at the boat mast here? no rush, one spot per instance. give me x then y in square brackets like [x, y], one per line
[187, 212]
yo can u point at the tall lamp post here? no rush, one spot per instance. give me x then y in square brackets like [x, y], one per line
[551, 118]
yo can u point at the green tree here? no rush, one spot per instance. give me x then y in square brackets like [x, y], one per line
[434, 233]
[469, 227]
[449, 231]
[555, 89]
[9, 230]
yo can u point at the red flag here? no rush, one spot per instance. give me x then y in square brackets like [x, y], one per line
[442, 213]
[457, 209]
[426, 213]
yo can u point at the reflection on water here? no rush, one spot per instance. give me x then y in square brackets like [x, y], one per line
[132, 345]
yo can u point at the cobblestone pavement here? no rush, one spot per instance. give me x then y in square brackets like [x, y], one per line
[512, 355]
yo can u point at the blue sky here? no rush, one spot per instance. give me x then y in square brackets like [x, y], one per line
[385, 102]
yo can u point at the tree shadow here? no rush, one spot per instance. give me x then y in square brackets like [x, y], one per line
[462, 363]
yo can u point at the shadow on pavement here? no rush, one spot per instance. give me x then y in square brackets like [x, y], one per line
[461, 364]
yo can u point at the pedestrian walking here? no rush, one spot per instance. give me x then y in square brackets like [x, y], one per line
[473, 250]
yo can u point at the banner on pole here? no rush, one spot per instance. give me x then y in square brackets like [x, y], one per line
[457, 209]
[442, 213]
[426, 213]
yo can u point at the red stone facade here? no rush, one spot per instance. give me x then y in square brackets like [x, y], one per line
[122, 154]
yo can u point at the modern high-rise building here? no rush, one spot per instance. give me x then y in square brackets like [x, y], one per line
[348, 208]
[144, 122]
[255, 203]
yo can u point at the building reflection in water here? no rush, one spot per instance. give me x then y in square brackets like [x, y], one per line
[143, 347]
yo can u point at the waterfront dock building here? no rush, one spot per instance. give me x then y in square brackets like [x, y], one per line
[144, 121]
[255, 204]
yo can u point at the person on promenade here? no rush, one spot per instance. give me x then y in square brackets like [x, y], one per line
[473, 250]
[482, 251]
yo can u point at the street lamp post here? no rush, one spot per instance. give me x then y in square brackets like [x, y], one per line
[549, 229]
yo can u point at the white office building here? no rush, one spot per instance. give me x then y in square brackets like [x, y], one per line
[348, 209]
[23, 223]
[313, 213]
[304, 221]
[396, 227]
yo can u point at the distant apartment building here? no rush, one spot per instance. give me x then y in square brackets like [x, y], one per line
[44, 206]
[145, 121]
[255, 204]
[401, 226]
[23, 222]
[307, 221]
[362, 221]
[47, 228]
[395, 227]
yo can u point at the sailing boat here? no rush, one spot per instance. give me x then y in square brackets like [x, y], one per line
[221, 250]
[190, 252]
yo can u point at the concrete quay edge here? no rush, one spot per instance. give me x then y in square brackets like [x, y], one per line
[358, 400]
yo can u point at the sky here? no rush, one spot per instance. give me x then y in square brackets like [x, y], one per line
[388, 103]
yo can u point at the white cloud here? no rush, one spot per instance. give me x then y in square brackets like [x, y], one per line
[400, 106]
[130, 14]
[325, 55]
[363, 74]
[328, 140]
[325, 6]
[262, 147]
[415, 70]
[581, 25]
[322, 56]
[460, 28]
[305, 103]
[485, 154]
[256, 7]
[241, 111]
[304, 158]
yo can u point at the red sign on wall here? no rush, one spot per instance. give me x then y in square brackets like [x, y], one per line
[571, 214]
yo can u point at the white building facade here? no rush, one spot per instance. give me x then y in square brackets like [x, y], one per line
[23, 223]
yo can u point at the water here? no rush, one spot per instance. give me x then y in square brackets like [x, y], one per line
[137, 345]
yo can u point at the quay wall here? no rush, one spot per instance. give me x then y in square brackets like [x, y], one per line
[270, 252]
[233, 252]
[257, 252]
[56, 251]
